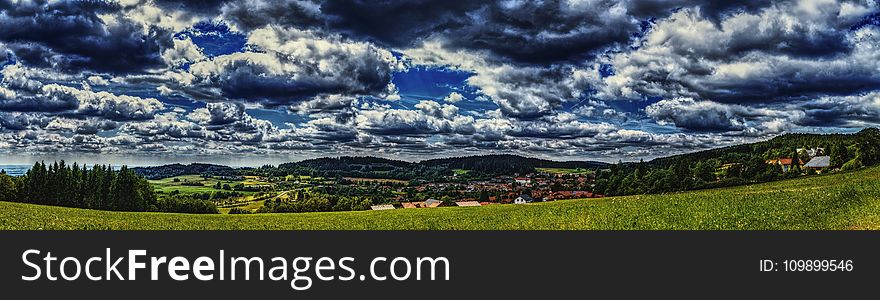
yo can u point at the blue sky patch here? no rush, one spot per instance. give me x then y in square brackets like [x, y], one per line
[215, 39]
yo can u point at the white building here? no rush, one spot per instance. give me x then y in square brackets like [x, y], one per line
[382, 207]
[523, 199]
[812, 152]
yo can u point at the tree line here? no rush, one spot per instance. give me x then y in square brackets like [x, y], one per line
[100, 187]
[310, 201]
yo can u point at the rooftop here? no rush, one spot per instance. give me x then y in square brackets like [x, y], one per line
[819, 162]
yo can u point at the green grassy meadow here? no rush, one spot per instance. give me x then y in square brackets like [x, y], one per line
[837, 201]
[564, 171]
[167, 185]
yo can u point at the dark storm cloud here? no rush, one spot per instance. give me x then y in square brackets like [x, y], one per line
[714, 10]
[55, 103]
[525, 31]
[69, 35]
[799, 85]
[252, 14]
[200, 7]
[541, 32]
[534, 32]
[399, 22]
[841, 111]
[702, 116]
[22, 121]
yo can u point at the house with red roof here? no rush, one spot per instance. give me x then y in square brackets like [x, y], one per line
[786, 163]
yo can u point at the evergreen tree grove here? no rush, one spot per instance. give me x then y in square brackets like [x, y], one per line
[73, 186]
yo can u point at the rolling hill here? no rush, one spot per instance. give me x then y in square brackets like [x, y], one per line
[848, 200]
[166, 171]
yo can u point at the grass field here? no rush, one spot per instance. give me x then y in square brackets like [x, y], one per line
[460, 171]
[251, 206]
[564, 171]
[837, 201]
[167, 185]
[377, 180]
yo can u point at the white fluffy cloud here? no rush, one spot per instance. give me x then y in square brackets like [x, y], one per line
[430, 118]
[29, 93]
[184, 51]
[324, 103]
[97, 80]
[788, 50]
[230, 120]
[288, 66]
[453, 97]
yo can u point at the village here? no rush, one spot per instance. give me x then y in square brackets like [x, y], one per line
[550, 186]
[516, 189]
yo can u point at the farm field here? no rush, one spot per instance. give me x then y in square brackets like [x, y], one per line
[167, 185]
[836, 201]
[379, 180]
[246, 205]
[564, 171]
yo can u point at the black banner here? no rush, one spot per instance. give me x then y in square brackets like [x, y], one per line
[486, 264]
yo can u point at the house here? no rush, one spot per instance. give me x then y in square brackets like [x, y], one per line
[812, 152]
[727, 166]
[467, 203]
[523, 199]
[522, 180]
[382, 207]
[433, 203]
[786, 163]
[410, 205]
[819, 162]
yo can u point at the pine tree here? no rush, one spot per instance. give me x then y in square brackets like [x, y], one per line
[839, 155]
[7, 188]
[124, 191]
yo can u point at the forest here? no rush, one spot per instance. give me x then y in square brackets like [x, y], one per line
[309, 201]
[99, 187]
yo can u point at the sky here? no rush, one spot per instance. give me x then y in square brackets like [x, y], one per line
[252, 82]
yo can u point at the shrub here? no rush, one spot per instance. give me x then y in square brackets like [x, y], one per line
[239, 211]
[853, 164]
[185, 205]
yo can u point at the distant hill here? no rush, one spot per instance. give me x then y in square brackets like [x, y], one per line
[507, 164]
[348, 163]
[375, 167]
[172, 170]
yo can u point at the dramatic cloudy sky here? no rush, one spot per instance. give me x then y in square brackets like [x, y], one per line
[264, 81]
